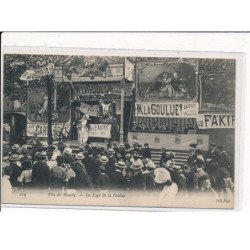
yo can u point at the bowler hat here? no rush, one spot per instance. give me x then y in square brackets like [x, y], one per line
[80, 156]
[111, 151]
[162, 175]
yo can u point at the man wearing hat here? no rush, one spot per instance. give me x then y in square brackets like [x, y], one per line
[146, 152]
[91, 165]
[199, 164]
[40, 177]
[103, 180]
[119, 180]
[16, 170]
[149, 173]
[82, 179]
[138, 181]
[212, 152]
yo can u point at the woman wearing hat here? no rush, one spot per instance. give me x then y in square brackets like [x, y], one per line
[168, 189]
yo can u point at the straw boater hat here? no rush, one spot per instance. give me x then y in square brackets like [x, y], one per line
[128, 156]
[121, 164]
[136, 165]
[15, 147]
[14, 157]
[162, 175]
[111, 151]
[104, 159]
[43, 154]
[80, 156]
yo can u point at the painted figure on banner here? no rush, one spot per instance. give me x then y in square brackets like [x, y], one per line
[83, 131]
[175, 81]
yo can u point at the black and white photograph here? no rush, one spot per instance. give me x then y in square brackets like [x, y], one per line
[122, 131]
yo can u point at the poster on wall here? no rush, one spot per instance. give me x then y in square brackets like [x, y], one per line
[208, 121]
[166, 80]
[91, 110]
[100, 130]
[218, 92]
[38, 104]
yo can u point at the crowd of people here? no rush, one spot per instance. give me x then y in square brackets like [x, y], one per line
[115, 167]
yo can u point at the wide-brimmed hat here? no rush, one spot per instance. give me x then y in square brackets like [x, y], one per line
[151, 165]
[104, 159]
[111, 151]
[120, 164]
[43, 154]
[80, 156]
[136, 165]
[15, 147]
[128, 156]
[14, 157]
[193, 145]
[162, 175]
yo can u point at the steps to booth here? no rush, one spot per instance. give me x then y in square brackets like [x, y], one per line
[180, 156]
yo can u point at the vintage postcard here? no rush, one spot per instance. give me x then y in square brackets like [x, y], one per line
[152, 129]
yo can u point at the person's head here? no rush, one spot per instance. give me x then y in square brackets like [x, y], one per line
[205, 182]
[220, 149]
[104, 160]
[14, 158]
[150, 165]
[136, 156]
[163, 150]
[212, 146]
[60, 160]
[136, 166]
[7, 171]
[121, 146]
[26, 165]
[42, 156]
[110, 152]
[102, 169]
[170, 164]
[80, 156]
[146, 145]
[199, 163]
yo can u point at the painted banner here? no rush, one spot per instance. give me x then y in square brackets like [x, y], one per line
[167, 109]
[91, 110]
[100, 130]
[166, 82]
[170, 141]
[207, 121]
[41, 129]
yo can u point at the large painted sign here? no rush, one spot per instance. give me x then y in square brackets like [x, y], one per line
[41, 129]
[218, 92]
[161, 82]
[208, 121]
[100, 130]
[167, 109]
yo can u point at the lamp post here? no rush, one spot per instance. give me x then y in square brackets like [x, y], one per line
[122, 110]
[58, 78]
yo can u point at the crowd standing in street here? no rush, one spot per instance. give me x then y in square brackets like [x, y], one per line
[115, 166]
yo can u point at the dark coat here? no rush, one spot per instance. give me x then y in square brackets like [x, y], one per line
[164, 158]
[82, 179]
[15, 173]
[119, 181]
[92, 167]
[103, 181]
[150, 182]
[40, 175]
[138, 182]
[146, 153]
